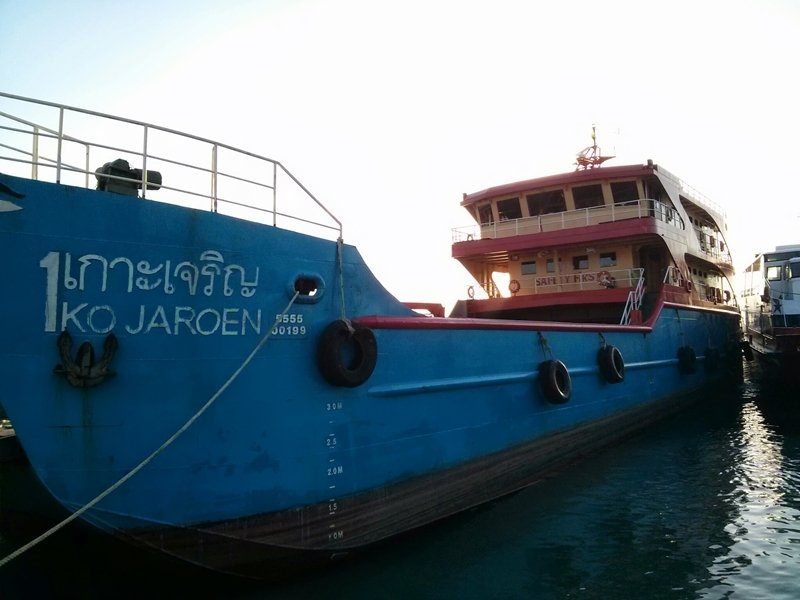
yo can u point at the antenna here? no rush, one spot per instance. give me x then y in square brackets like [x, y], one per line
[590, 157]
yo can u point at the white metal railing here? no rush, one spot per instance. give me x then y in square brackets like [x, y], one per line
[570, 219]
[634, 301]
[691, 193]
[53, 142]
[710, 245]
[673, 276]
[724, 294]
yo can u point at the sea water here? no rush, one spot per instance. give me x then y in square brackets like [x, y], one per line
[705, 504]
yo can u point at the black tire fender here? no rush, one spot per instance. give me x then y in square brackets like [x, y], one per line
[555, 381]
[611, 363]
[346, 355]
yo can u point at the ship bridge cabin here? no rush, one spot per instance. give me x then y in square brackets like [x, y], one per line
[772, 290]
[590, 246]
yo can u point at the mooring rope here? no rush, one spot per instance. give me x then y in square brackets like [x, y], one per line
[545, 346]
[155, 453]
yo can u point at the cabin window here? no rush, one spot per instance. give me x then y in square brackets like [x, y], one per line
[551, 265]
[774, 273]
[509, 209]
[485, 214]
[529, 267]
[608, 259]
[545, 203]
[580, 262]
[624, 191]
[588, 196]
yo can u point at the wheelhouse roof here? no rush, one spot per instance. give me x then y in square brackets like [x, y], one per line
[573, 177]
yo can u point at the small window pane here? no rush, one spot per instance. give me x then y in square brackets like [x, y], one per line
[580, 262]
[485, 214]
[546, 202]
[608, 259]
[588, 196]
[551, 265]
[774, 273]
[624, 191]
[529, 268]
[509, 209]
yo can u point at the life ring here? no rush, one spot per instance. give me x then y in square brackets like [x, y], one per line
[605, 278]
[687, 359]
[712, 359]
[513, 286]
[611, 363]
[346, 355]
[555, 381]
[471, 291]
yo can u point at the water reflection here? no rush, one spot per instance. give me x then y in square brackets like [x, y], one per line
[763, 505]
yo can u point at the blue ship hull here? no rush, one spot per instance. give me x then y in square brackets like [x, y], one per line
[239, 392]
[281, 467]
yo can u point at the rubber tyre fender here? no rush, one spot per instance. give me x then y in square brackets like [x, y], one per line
[687, 359]
[611, 363]
[555, 381]
[346, 358]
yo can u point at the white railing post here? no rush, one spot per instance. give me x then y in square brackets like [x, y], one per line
[60, 138]
[144, 162]
[86, 166]
[214, 177]
[274, 194]
[35, 154]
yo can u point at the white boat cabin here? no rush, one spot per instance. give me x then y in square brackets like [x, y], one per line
[771, 291]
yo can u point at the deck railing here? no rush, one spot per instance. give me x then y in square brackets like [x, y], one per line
[634, 301]
[62, 144]
[570, 219]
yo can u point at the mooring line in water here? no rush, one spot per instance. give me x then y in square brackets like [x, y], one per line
[155, 453]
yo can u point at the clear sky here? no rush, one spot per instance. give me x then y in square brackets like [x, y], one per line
[389, 111]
